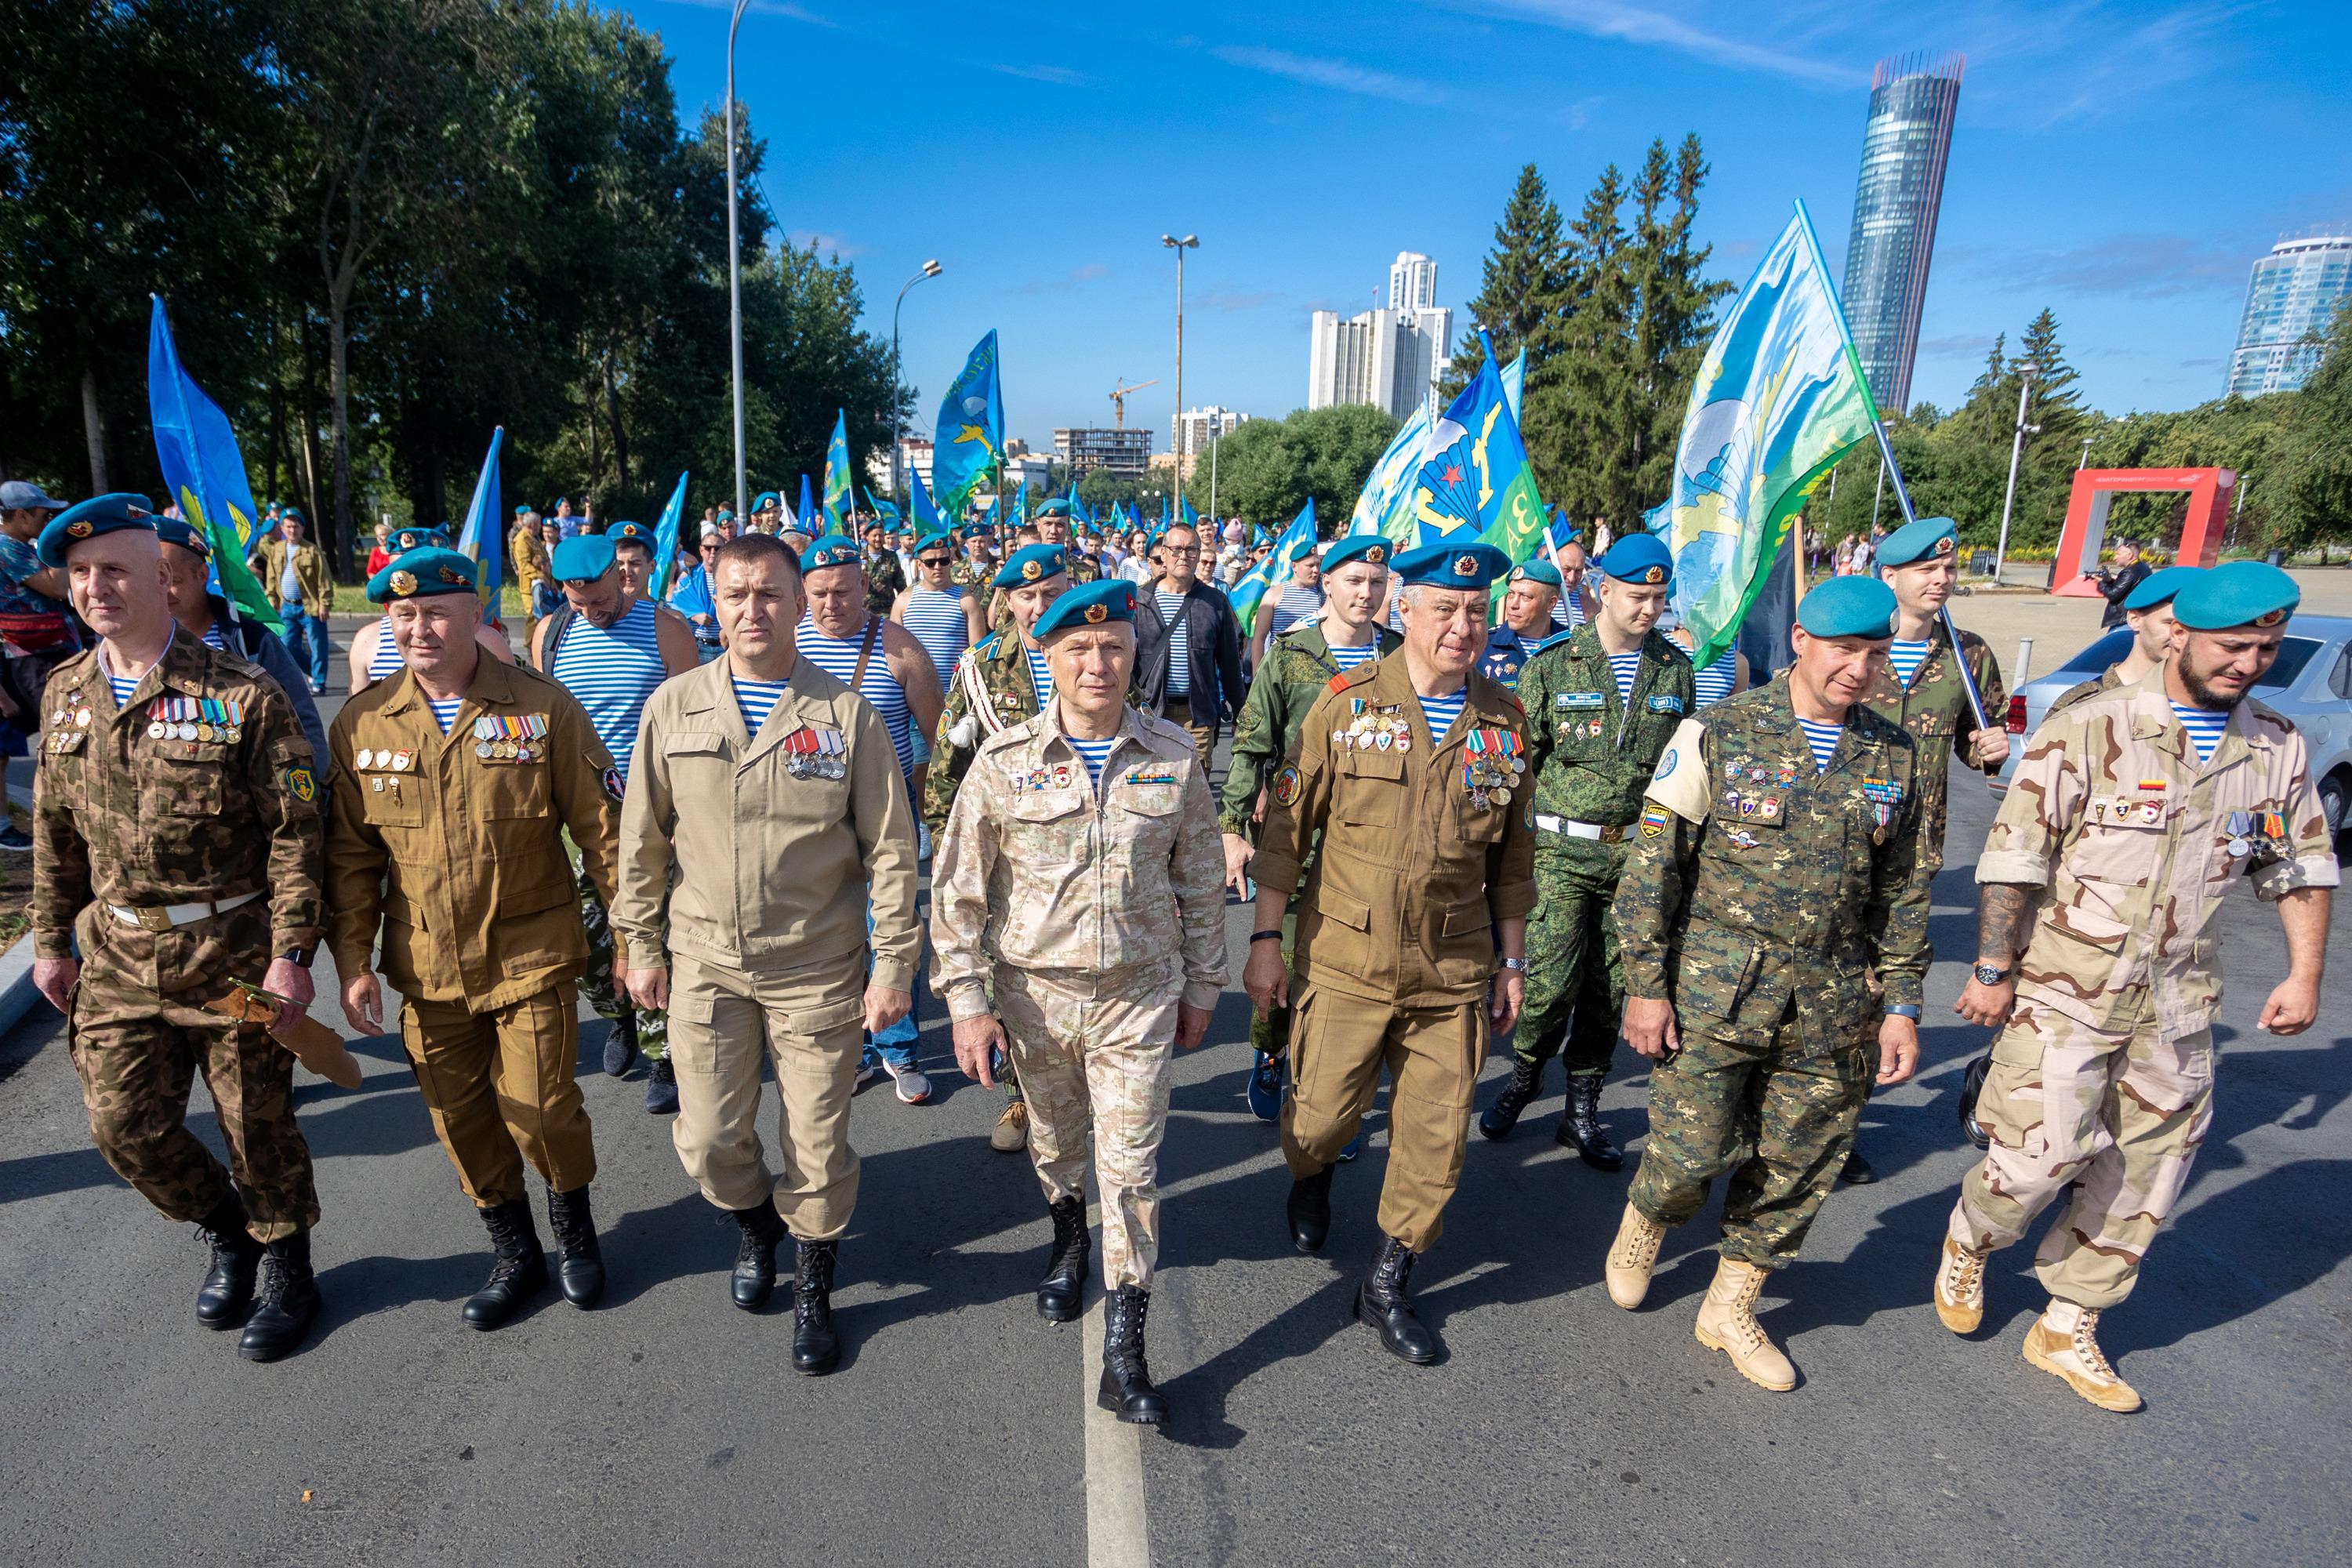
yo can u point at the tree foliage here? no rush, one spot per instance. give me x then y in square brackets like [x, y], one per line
[1267, 470]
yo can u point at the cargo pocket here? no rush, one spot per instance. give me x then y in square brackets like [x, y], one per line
[1369, 790]
[1713, 971]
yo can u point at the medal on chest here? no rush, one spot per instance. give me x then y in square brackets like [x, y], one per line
[69, 726]
[1491, 765]
[811, 753]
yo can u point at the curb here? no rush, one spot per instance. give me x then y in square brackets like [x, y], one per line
[17, 996]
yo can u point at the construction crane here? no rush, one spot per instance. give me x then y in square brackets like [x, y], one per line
[1119, 401]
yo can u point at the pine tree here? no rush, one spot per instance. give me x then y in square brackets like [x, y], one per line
[1518, 299]
[1673, 304]
[2056, 405]
[1576, 424]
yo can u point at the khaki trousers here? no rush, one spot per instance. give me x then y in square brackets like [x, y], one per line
[1338, 1044]
[1095, 1054]
[723, 1023]
[1203, 729]
[500, 1089]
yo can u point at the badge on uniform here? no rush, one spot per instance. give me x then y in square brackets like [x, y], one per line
[1285, 787]
[301, 785]
[1577, 699]
[1653, 821]
[1150, 777]
[1666, 703]
[612, 783]
[814, 754]
[1491, 765]
[1740, 838]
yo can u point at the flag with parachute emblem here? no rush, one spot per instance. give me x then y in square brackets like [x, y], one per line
[203, 470]
[1477, 478]
[1385, 505]
[480, 537]
[838, 500]
[1779, 399]
[1250, 592]
[968, 446]
[886, 511]
[666, 541]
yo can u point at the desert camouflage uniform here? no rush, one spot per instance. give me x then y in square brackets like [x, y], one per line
[2103, 1080]
[1759, 897]
[1935, 708]
[1089, 914]
[2107, 680]
[1298, 666]
[124, 819]
[1000, 665]
[1588, 756]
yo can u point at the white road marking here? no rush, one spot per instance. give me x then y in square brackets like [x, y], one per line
[1118, 1534]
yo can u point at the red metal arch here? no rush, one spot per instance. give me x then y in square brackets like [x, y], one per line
[2084, 535]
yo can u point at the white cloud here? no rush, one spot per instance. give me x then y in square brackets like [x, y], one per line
[1340, 75]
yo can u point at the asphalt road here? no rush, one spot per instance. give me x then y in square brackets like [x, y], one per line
[667, 1426]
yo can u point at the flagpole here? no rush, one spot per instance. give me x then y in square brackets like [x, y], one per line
[1894, 471]
[735, 269]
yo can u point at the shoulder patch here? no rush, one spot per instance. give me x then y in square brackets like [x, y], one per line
[1680, 784]
[1338, 682]
[613, 786]
[301, 784]
[1285, 786]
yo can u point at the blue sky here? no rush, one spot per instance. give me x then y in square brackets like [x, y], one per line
[2123, 164]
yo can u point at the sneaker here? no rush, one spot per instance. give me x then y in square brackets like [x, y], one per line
[869, 1072]
[661, 1087]
[1265, 1088]
[914, 1089]
[14, 837]
[1010, 1133]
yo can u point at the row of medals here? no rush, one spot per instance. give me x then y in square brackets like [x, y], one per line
[187, 719]
[1490, 777]
[1375, 732]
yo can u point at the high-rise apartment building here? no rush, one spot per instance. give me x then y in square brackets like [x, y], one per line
[2294, 291]
[1904, 142]
[1412, 282]
[1390, 356]
[1196, 427]
[1125, 452]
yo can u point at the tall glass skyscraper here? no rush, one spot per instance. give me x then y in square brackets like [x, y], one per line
[2296, 289]
[1913, 101]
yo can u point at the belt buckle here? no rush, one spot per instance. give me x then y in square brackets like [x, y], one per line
[151, 917]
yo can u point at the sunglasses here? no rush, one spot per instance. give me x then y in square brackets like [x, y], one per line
[933, 561]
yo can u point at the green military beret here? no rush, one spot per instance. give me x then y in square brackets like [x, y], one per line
[1848, 607]
[1927, 539]
[1030, 563]
[1090, 605]
[2242, 593]
[99, 514]
[2160, 587]
[421, 574]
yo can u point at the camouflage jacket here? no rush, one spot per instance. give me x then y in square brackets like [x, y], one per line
[2106, 680]
[2136, 846]
[1039, 868]
[1935, 708]
[1080, 569]
[885, 581]
[1298, 666]
[1000, 667]
[1754, 880]
[1588, 754]
[122, 815]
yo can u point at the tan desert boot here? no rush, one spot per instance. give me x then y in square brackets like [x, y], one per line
[1632, 1257]
[2064, 1340]
[1959, 1288]
[1727, 1322]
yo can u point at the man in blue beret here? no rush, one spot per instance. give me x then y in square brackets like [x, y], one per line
[1602, 703]
[205, 615]
[1078, 919]
[1409, 790]
[1776, 870]
[2103, 887]
[375, 656]
[175, 862]
[456, 782]
[36, 635]
[302, 588]
[2147, 611]
[1527, 625]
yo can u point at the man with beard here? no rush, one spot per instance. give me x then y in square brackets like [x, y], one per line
[2098, 936]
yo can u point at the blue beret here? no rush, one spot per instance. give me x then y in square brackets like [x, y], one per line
[974, 531]
[1927, 539]
[2242, 593]
[2160, 587]
[767, 498]
[1639, 558]
[933, 541]
[630, 533]
[292, 514]
[1370, 548]
[99, 514]
[523, 510]
[1537, 570]
[172, 531]
[1054, 507]
[833, 549]
[405, 539]
[582, 558]
[1448, 564]
[1030, 563]
[1089, 604]
[421, 574]
[1848, 607]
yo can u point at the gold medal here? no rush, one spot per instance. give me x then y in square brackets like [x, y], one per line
[1503, 796]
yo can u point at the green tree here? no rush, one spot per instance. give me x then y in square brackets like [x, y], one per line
[1267, 469]
[2314, 465]
[1520, 284]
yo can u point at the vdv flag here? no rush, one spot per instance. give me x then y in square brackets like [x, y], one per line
[480, 537]
[886, 511]
[927, 516]
[1478, 479]
[838, 500]
[1021, 505]
[1250, 592]
[1184, 510]
[807, 517]
[665, 542]
[202, 469]
[1384, 506]
[1779, 399]
[969, 442]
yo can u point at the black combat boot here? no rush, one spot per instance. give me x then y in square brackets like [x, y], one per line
[228, 1289]
[580, 1262]
[289, 1300]
[1310, 1210]
[1063, 1291]
[1381, 1301]
[1579, 1126]
[519, 1274]
[620, 1043]
[1527, 1082]
[816, 1349]
[1126, 1391]
[754, 1279]
[1857, 1171]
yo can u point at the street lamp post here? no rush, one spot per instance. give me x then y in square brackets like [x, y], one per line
[2016, 452]
[735, 269]
[1189, 242]
[931, 270]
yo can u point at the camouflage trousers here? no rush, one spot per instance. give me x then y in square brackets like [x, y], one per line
[1776, 1112]
[1096, 1054]
[2118, 1116]
[1576, 979]
[596, 981]
[137, 1053]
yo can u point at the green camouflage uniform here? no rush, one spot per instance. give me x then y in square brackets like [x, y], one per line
[1079, 569]
[1935, 708]
[596, 980]
[1590, 756]
[1298, 666]
[1758, 898]
[126, 819]
[885, 581]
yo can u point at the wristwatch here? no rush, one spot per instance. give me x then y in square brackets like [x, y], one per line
[1258, 936]
[1519, 964]
[1990, 974]
[300, 956]
[1904, 1010]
